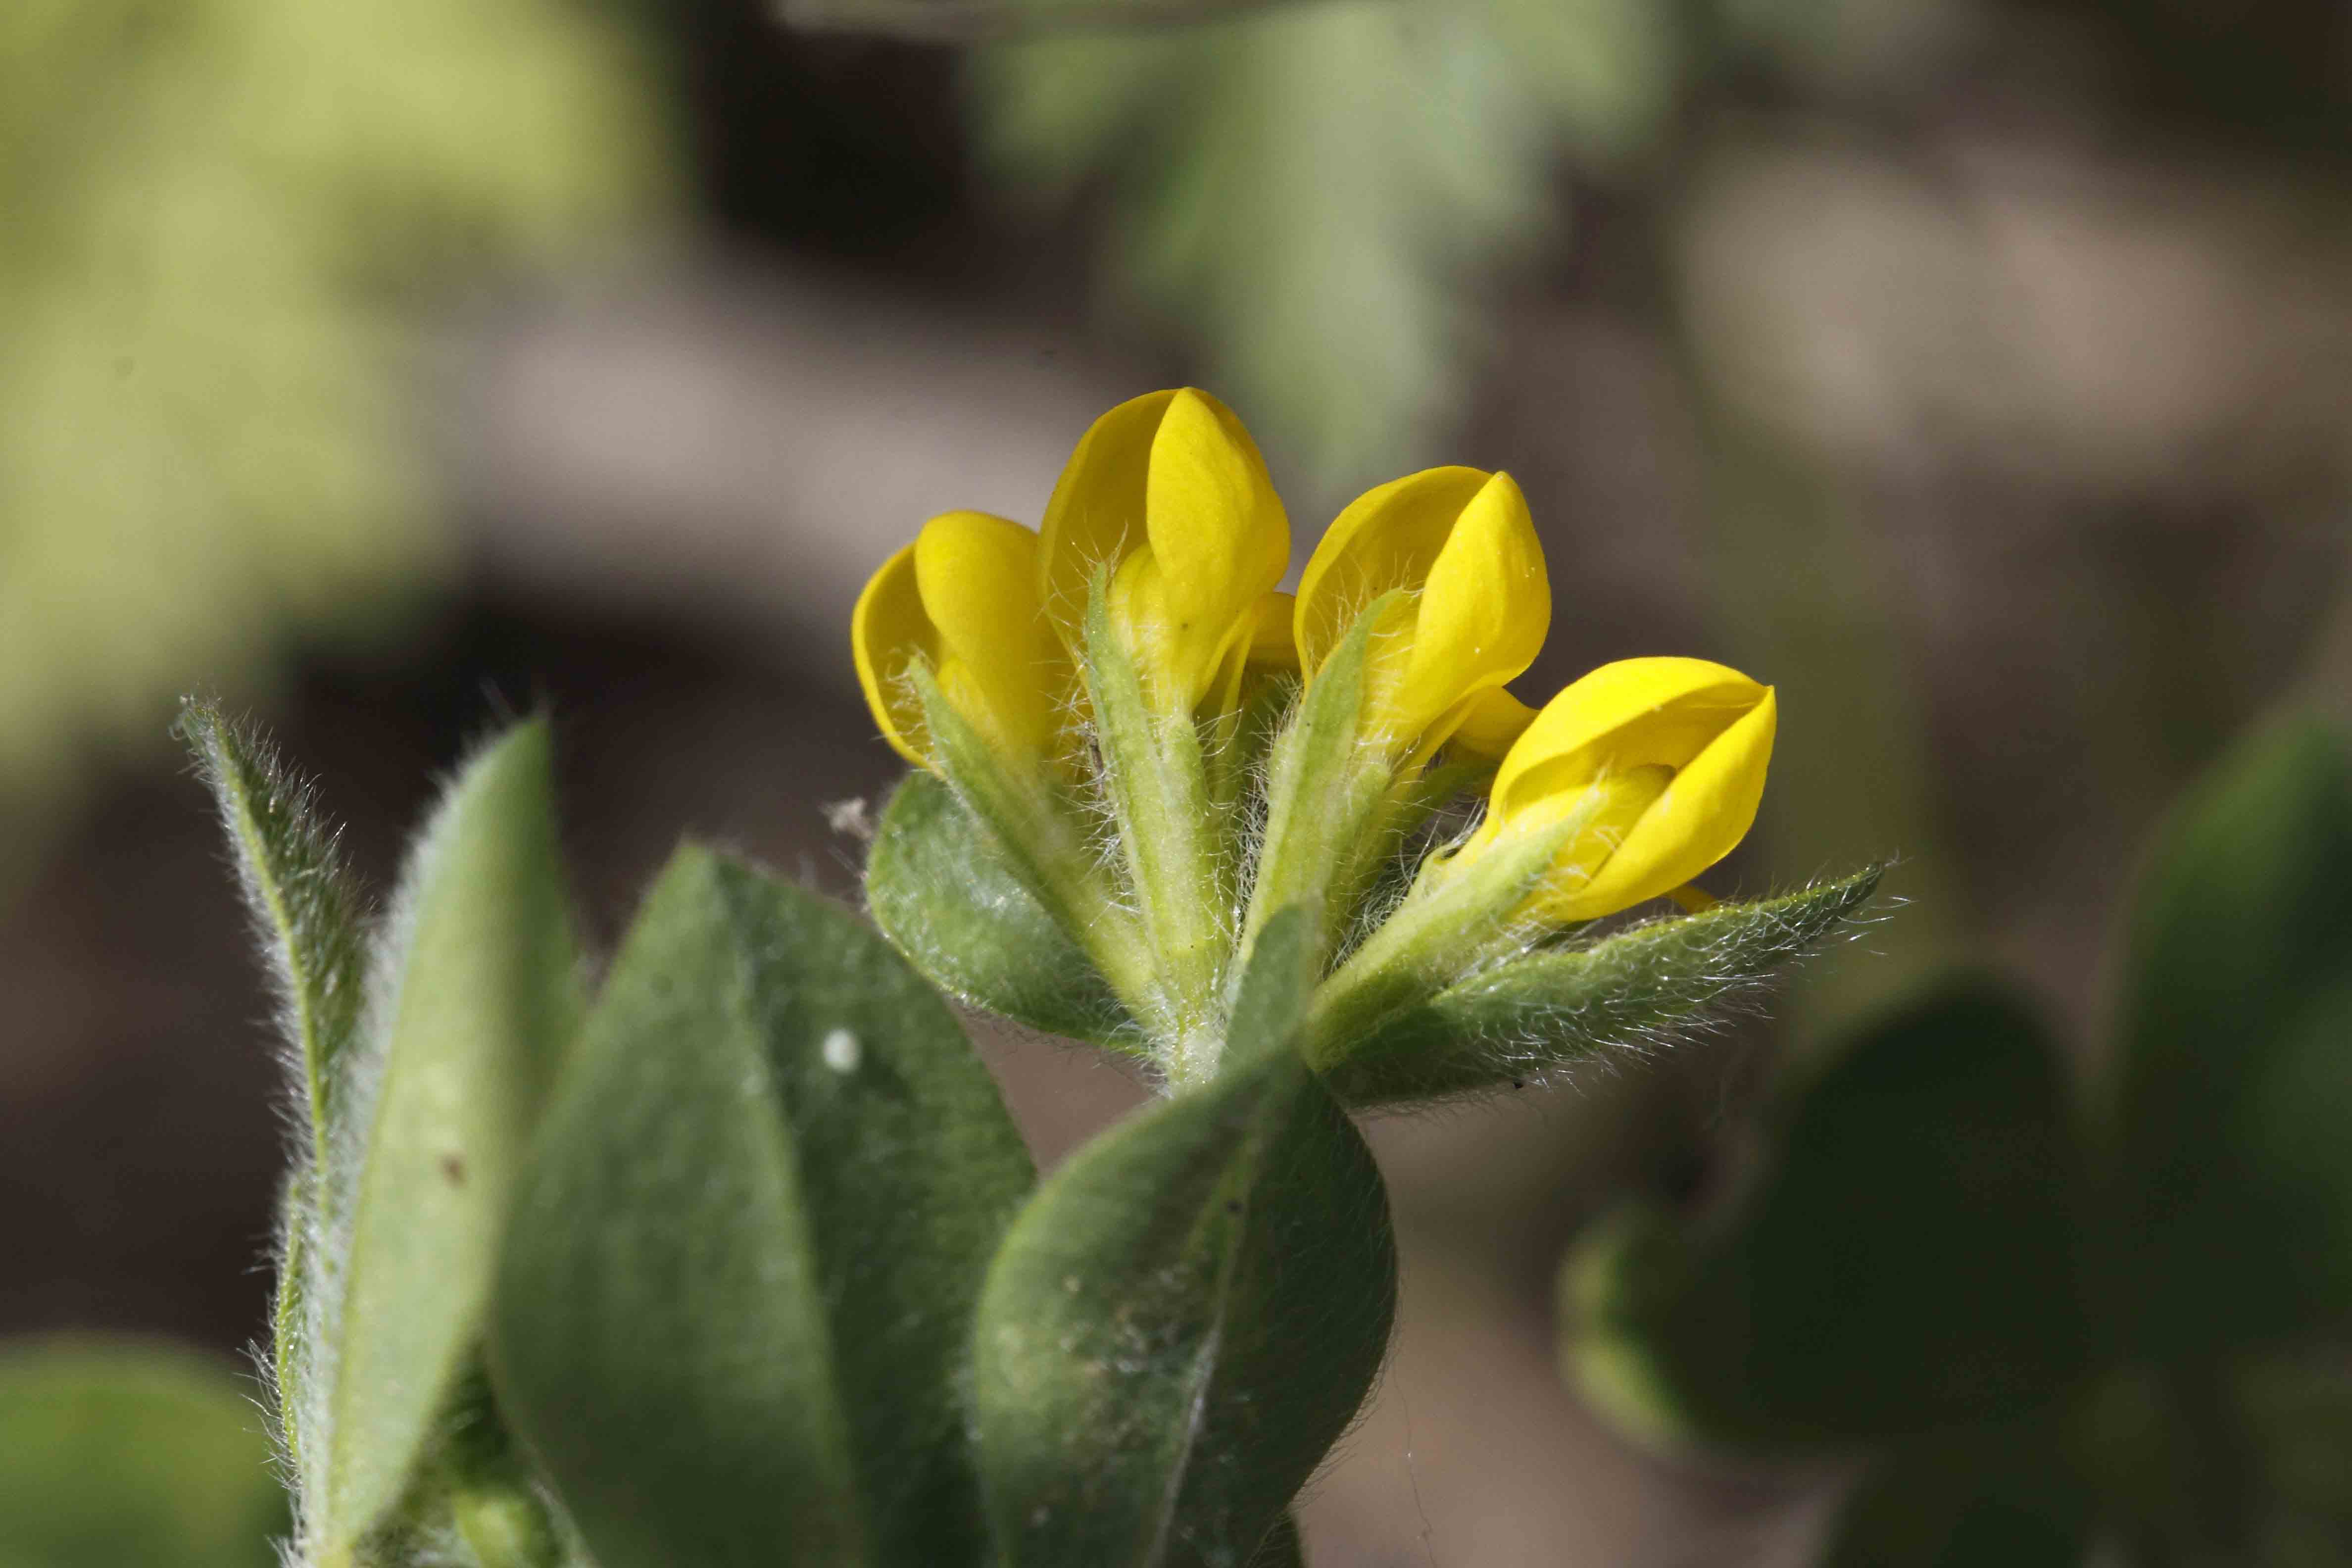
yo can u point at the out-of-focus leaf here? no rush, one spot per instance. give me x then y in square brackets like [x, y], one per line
[941, 892]
[1907, 1260]
[1281, 1547]
[1310, 190]
[219, 215]
[740, 1277]
[478, 997]
[1608, 71]
[1995, 1497]
[1186, 1315]
[2233, 1082]
[2294, 1408]
[113, 1454]
[1522, 1020]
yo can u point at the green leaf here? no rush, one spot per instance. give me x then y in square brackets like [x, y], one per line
[740, 1283]
[477, 997]
[2244, 1459]
[1185, 1317]
[1906, 1259]
[939, 888]
[312, 920]
[1305, 190]
[119, 1453]
[2233, 1084]
[1995, 1497]
[1518, 1021]
[309, 911]
[2295, 1410]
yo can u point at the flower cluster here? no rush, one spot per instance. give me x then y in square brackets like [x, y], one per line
[1133, 662]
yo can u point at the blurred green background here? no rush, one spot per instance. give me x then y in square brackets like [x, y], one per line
[1976, 371]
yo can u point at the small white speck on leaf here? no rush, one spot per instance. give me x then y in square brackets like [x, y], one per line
[841, 1051]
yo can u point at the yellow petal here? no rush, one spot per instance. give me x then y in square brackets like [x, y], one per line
[1095, 518]
[1387, 538]
[886, 630]
[1264, 651]
[998, 659]
[1489, 722]
[1634, 711]
[1173, 474]
[1218, 532]
[1271, 644]
[1484, 609]
[1701, 817]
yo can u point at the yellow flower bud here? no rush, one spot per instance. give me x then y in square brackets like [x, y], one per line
[1168, 492]
[963, 599]
[1653, 767]
[1460, 544]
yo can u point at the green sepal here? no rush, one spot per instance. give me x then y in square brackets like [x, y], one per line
[115, 1453]
[1185, 1317]
[1319, 790]
[1521, 1019]
[2234, 1075]
[1042, 842]
[1908, 1258]
[476, 997]
[1234, 746]
[487, 1487]
[733, 1308]
[1155, 778]
[1999, 1497]
[938, 885]
[1390, 850]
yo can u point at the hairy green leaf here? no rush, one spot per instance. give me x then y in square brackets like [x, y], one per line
[1187, 1314]
[1907, 1259]
[117, 1452]
[312, 920]
[475, 998]
[740, 1277]
[1537, 1014]
[310, 912]
[2233, 1082]
[938, 886]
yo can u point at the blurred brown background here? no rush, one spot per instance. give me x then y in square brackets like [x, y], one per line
[1974, 369]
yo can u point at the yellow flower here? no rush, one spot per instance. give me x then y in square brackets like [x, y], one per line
[1476, 606]
[1653, 766]
[1266, 649]
[963, 599]
[1168, 492]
